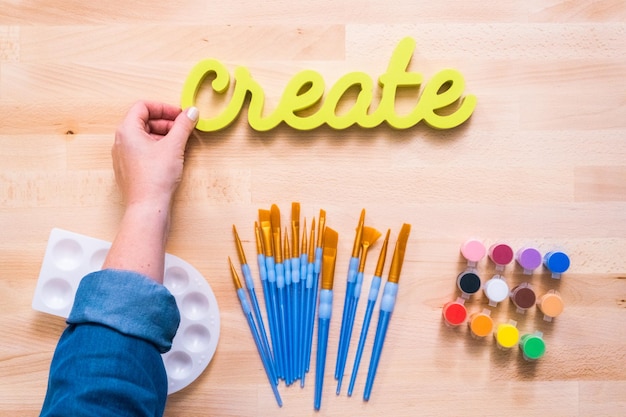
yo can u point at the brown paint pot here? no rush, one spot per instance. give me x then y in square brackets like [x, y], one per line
[523, 296]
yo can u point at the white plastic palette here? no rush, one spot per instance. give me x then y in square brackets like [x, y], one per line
[70, 256]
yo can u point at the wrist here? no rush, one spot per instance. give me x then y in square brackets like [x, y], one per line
[140, 243]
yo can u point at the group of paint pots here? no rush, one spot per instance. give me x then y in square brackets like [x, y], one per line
[497, 290]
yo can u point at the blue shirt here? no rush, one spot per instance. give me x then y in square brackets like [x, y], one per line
[108, 360]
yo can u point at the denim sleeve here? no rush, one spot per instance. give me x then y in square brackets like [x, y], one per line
[108, 360]
[128, 302]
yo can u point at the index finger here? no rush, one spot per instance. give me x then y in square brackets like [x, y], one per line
[149, 110]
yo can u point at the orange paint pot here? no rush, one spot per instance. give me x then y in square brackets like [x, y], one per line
[481, 324]
[551, 305]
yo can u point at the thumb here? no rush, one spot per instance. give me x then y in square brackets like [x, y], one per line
[183, 125]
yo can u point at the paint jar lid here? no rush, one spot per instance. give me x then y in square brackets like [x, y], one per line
[523, 296]
[507, 335]
[551, 305]
[481, 324]
[473, 250]
[557, 262]
[468, 282]
[501, 254]
[529, 259]
[533, 346]
[454, 312]
[496, 290]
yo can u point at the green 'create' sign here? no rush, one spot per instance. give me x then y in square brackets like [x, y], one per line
[441, 104]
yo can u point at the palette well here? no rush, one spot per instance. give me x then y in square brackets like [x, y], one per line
[70, 256]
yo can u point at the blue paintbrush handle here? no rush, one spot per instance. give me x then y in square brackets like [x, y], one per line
[294, 317]
[314, 290]
[245, 268]
[309, 320]
[379, 341]
[322, 344]
[387, 305]
[287, 322]
[260, 349]
[325, 310]
[282, 318]
[369, 310]
[269, 307]
[342, 350]
[302, 323]
[261, 327]
[273, 316]
[354, 302]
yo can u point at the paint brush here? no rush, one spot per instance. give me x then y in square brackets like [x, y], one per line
[296, 290]
[245, 269]
[316, 251]
[329, 257]
[342, 350]
[371, 301]
[387, 305]
[289, 344]
[279, 268]
[272, 307]
[265, 359]
[310, 288]
[369, 237]
[306, 270]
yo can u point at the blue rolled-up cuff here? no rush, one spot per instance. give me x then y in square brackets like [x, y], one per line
[128, 302]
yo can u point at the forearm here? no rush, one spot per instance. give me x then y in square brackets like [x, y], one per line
[108, 361]
[140, 242]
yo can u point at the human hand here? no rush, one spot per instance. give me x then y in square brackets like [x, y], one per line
[149, 151]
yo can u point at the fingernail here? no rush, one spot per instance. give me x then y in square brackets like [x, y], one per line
[193, 114]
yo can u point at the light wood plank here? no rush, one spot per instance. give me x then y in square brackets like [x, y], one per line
[541, 162]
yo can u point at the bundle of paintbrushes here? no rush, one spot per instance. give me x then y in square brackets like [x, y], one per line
[297, 278]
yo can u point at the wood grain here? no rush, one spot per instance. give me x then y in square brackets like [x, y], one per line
[542, 161]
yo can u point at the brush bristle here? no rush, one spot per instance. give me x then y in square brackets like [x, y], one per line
[329, 256]
[398, 254]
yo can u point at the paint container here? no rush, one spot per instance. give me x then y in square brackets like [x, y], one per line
[551, 305]
[532, 346]
[454, 312]
[557, 262]
[507, 335]
[529, 259]
[481, 324]
[496, 290]
[523, 297]
[468, 282]
[473, 250]
[501, 254]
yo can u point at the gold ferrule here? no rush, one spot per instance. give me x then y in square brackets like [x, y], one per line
[356, 247]
[276, 233]
[303, 246]
[266, 231]
[257, 238]
[286, 249]
[369, 237]
[240, 252]
[312, 243]
[295, 229]
[320, 229]
[329, 257]
[233, 272]
[380, 265]
[398, 254]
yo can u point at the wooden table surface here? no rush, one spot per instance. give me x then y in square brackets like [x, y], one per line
[542, 162]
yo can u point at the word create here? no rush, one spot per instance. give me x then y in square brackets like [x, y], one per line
[440, 104]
